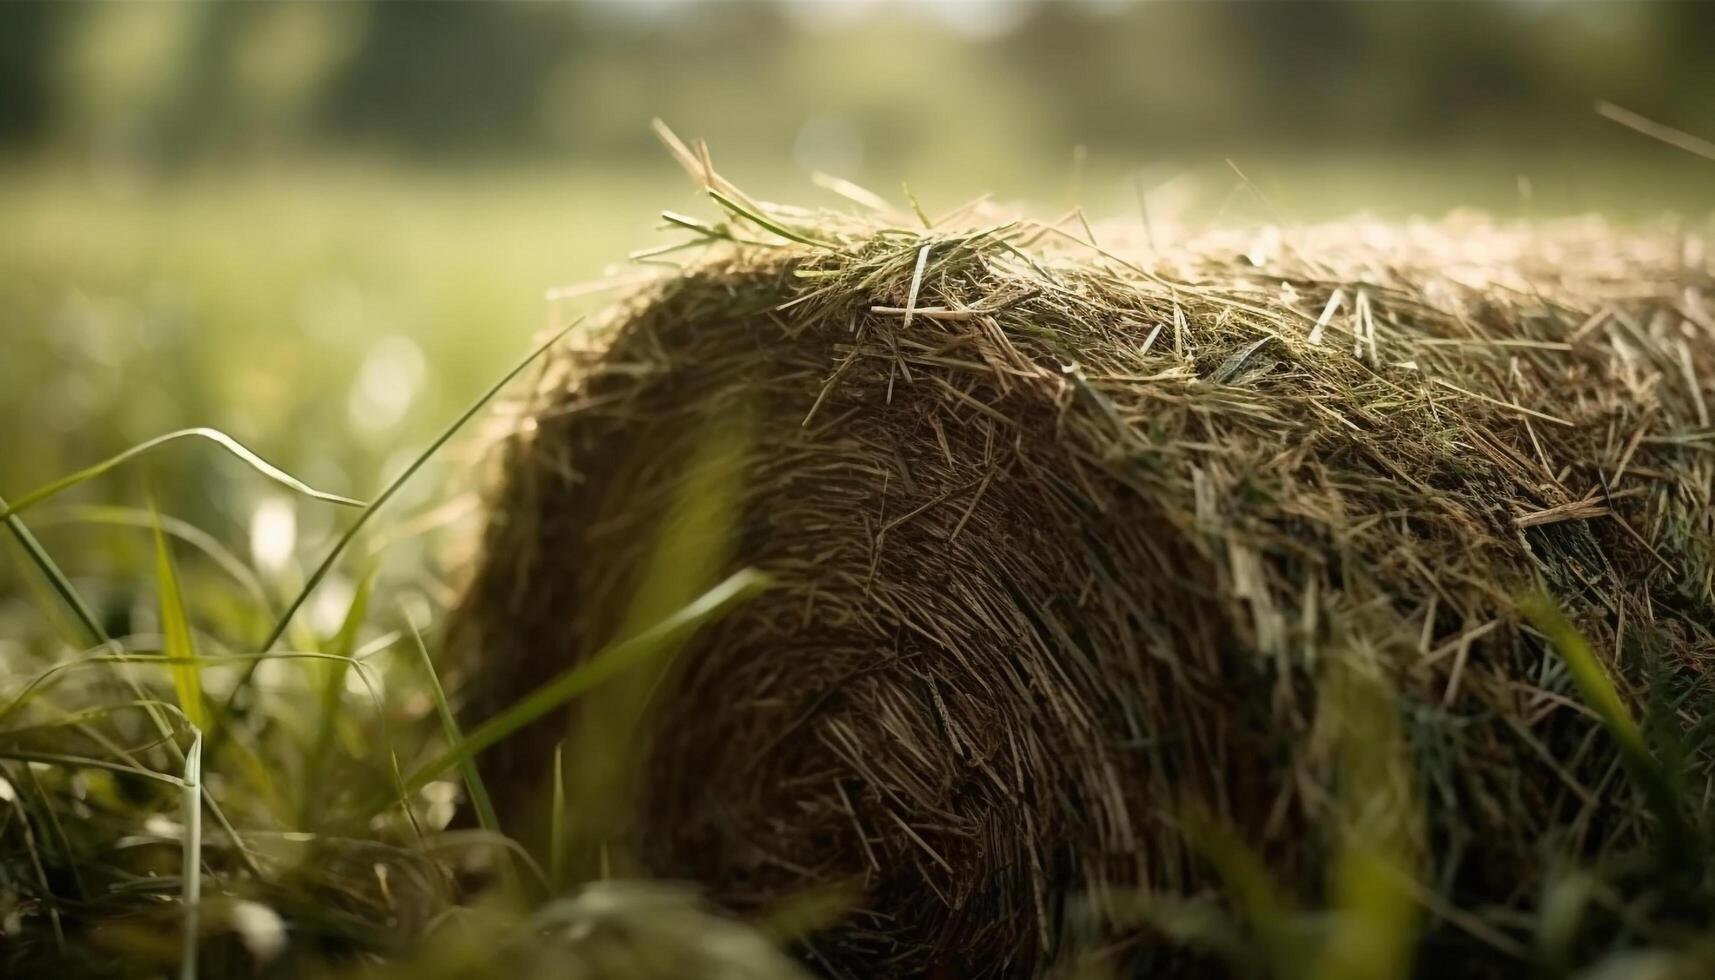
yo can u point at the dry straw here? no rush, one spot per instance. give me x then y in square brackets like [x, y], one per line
[1066, 544]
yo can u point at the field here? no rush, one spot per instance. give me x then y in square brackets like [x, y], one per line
[336, 320]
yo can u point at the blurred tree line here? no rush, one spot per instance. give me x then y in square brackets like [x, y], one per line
[479, 80]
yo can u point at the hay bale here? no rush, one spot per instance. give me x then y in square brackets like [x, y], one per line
[1065, 544]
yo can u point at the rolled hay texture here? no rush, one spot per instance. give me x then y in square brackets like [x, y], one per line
[1066, 547]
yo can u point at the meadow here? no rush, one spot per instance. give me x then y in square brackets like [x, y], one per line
[346, 323]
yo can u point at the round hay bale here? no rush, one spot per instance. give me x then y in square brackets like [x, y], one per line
[1065, 548]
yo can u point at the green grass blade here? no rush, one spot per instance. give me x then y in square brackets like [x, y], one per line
[665, 636]
[1373, 931]
[1566, 897]
[67, 859]
[191, 885]
[78, 719]
[333, 687]
[43, 678]
[215, 436]
[916, 206]
[1680, 848]
[692, 548]
[1588, 674]
[40, 868]
[62, 586]
[692, 224]
[480, 800]
[96, 636]
[177, 641]
[89, 762]
[557, 822]
[763, 221]
[1250, 887]
[375, 506]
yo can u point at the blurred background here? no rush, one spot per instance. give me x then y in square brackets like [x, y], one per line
[323, 228]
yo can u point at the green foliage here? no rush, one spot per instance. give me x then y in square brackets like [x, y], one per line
[176, 641]
[108, 774]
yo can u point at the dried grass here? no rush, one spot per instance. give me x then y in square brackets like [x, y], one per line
[1064, 541]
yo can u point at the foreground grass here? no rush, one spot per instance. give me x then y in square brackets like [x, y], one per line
[329, 771]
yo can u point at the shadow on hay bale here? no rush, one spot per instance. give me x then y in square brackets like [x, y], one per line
[1065, 547]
